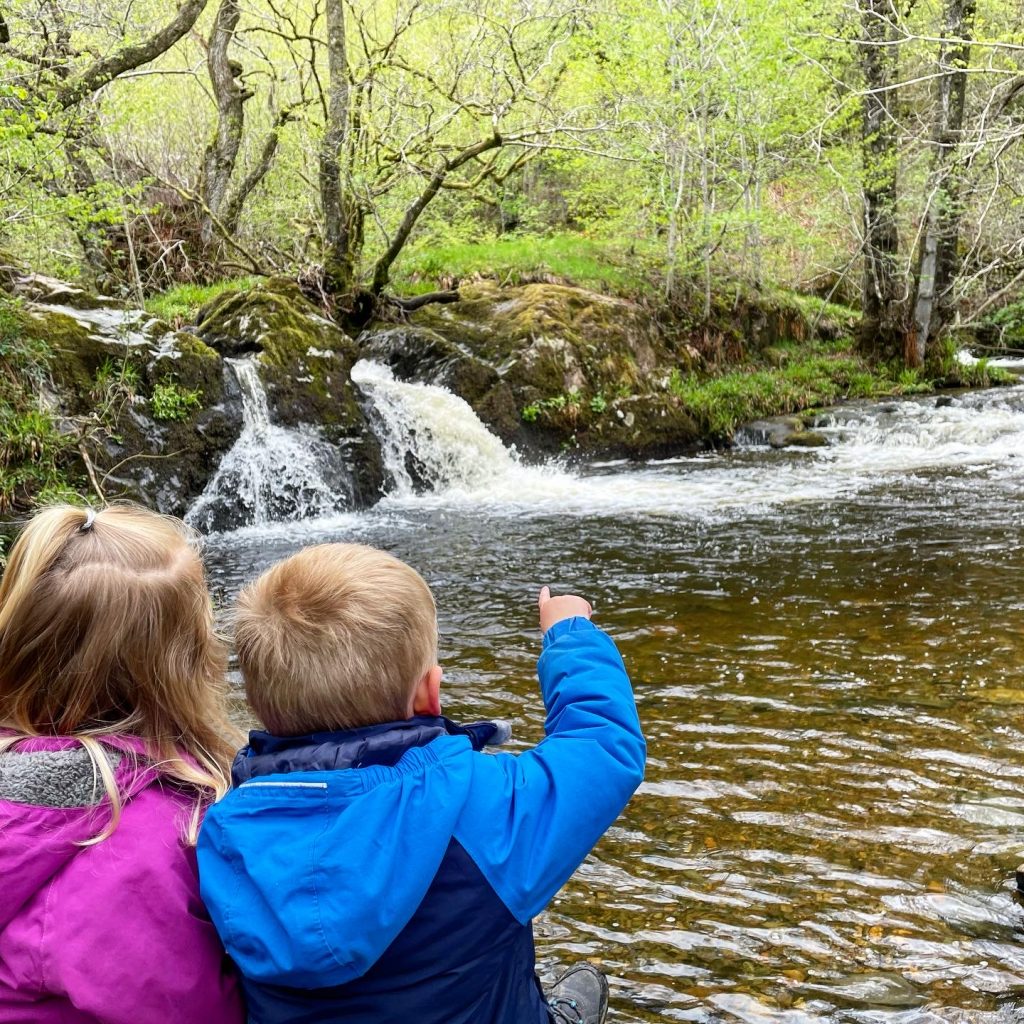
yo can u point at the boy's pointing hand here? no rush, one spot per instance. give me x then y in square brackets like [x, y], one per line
[554, 609]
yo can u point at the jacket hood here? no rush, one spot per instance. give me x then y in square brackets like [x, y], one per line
[319, 858]
[382, 744]
[50, 803]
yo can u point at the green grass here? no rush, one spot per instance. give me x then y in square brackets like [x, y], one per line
[517, 259]
[170, 401]
[815, 375]
[816, 309]
[181, 305]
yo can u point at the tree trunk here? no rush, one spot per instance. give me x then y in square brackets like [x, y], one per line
[127, 58]
[937, 271]
[222, 152]
[382, 269]
[238, 196]
[880, 329]
[343, 216]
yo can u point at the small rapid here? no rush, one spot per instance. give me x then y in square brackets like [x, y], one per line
[440, 454]
[271, 474]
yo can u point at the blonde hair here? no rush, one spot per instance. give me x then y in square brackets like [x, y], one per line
[335, 637]
[106, 630]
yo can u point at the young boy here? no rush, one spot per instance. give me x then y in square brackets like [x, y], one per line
[372, 864]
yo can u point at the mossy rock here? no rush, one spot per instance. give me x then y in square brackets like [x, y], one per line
[305, 357]
[188, 361]
[571, 357]
[549, 338]
[78, 350]
[807, 439]
[305, 365]
[52, 292]
[10, 270]
[272, 313]
[163, 464]
[644, 425]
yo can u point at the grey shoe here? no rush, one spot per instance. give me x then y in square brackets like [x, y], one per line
[580, 996]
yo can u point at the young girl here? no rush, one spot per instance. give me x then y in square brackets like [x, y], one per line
[113, 740]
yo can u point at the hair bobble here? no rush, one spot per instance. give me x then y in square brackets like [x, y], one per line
[90, 518]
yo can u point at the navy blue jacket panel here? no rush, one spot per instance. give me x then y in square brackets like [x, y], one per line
[391, 873]
[462, 946]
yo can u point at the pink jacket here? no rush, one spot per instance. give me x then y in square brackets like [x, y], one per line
[106, 934]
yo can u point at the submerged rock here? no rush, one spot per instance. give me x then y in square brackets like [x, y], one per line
[781, 432]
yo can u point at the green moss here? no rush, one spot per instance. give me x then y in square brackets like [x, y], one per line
[73, 356]
[550, 338]
[305, 357]
[191, 364]
[37, 457]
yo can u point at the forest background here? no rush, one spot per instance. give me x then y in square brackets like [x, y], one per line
[864, 151]
[861, 157]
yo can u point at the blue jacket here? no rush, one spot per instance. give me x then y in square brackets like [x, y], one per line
[390, 874]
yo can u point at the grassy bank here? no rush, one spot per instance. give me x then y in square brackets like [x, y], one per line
[181, 305]
[808, 376]
[522, 259]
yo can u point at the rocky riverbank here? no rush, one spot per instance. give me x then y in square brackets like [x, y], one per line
[127, 405]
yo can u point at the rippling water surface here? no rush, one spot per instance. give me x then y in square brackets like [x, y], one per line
[827, 649]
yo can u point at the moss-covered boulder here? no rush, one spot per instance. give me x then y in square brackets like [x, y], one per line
[53, 292]
[644, 426]
[271, 312]
[550, 363]
[305, 365]
[147, 404]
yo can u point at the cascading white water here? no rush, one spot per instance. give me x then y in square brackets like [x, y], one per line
[434, 443]
[271, 473]
[429, 436]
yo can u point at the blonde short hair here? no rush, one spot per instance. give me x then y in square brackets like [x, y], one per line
[106, 629]
[335, 637]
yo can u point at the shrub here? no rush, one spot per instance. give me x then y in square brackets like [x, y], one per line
[170, 401]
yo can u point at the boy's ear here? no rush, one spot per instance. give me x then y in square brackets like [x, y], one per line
[426, 698]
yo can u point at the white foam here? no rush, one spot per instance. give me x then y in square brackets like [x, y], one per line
[463, 464]
[271, 473]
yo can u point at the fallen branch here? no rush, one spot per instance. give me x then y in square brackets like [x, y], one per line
[91, 471]
[418, 301]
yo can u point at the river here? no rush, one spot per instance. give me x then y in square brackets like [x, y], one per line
[827, 650]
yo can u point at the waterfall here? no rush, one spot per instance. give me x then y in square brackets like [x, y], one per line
[271, 473]
[430, 438]
[440, 454]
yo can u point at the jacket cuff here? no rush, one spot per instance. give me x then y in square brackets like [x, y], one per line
[572, 625]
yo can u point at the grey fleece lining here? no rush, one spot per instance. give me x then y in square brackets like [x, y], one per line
[53, 778]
